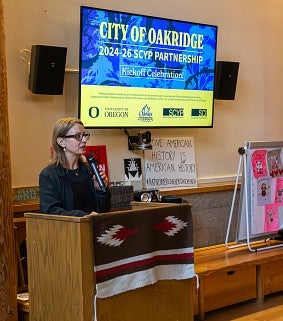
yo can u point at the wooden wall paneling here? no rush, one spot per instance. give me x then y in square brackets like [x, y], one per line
[8, 279]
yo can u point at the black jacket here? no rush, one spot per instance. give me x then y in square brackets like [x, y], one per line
[56, 194]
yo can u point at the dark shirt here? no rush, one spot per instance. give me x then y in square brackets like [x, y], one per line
[60, 195]
[83, 198]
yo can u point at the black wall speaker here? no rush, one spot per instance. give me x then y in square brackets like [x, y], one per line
[47, 70]
[226, 75]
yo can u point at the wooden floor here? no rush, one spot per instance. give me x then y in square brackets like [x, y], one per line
[270, 310]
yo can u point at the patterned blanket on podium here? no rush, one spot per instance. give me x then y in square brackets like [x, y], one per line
[136, 248]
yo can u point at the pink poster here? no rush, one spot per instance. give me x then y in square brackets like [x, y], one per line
[271, 223]
[259, 164]
[279, 191]
[274, 163]
[263, 190]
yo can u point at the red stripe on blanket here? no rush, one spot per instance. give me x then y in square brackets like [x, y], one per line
[171, 258]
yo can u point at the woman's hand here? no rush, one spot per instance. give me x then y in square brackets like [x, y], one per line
[91, 214]
[104, 178]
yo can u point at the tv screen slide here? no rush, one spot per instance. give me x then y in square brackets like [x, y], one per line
[142, 71]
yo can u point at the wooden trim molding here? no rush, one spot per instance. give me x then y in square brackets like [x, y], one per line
[202, 188]
[26, 199]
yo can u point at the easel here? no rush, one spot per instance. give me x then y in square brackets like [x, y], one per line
[244, 201]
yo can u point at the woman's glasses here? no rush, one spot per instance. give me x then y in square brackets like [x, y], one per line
[79, 136]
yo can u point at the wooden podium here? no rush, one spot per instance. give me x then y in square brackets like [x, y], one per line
[62, 283]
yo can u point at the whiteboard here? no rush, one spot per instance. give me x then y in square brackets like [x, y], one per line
[260, 213]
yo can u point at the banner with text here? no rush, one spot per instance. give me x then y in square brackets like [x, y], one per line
[170, 163]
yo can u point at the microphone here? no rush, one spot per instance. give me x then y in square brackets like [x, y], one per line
[95, 170]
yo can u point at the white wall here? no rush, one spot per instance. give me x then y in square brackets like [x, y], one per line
[249, 32]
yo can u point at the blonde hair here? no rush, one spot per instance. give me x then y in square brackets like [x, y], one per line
[61, 128]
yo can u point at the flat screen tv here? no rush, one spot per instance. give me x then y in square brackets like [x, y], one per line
[144, 71]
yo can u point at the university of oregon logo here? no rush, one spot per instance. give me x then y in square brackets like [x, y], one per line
[93, 112]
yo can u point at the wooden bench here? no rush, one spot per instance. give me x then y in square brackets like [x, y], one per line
[232, 275]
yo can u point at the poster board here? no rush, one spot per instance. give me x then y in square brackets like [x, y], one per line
[170, 164]
[99, 153]
[260, 212]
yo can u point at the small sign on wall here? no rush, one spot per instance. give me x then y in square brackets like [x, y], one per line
[100, 155]
[132, 169]
[133, 172]
[25, 195]
[170, 164]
